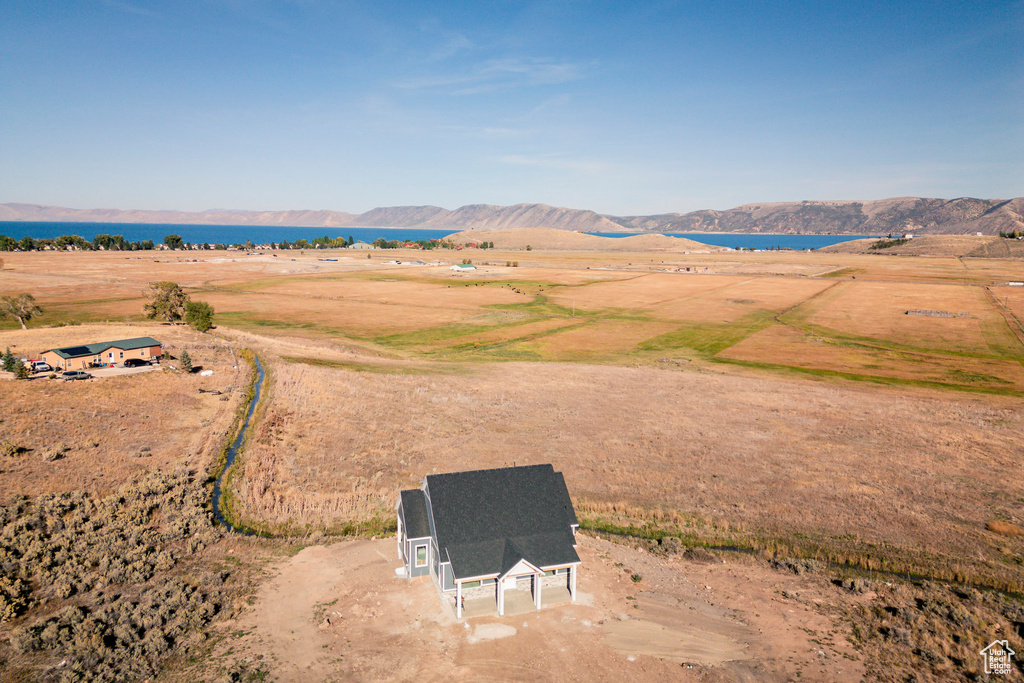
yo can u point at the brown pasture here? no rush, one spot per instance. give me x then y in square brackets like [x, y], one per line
[879, 310]
[784, 346]
[594, 340]
[918, 470]
[643, 292]
[106, 422]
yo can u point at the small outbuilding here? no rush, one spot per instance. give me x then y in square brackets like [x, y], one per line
[103, 353]
[491, 536]
[462, 267]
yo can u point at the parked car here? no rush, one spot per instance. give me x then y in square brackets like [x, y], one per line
[75, 374]
[135, 363]
[40, 366]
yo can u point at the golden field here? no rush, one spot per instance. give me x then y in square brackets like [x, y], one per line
[784, 403]
[752, 396]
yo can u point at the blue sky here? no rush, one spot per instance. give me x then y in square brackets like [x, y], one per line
[623, 109]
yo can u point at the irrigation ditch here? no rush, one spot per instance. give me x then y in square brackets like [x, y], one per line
[231, 453]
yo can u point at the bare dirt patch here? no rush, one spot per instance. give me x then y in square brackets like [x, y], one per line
[355, 620]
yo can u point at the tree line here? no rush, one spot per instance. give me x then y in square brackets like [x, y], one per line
[176, 242]
[62, 243]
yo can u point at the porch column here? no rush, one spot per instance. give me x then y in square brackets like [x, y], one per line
[538, 581]
[501, 598]
[572, 582]
[458, 599]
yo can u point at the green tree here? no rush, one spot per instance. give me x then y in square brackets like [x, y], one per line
[199, 315]
[174, 242]
[8, 362]
[21, 370]
[167, 301]
[21, 307]
[186, 361]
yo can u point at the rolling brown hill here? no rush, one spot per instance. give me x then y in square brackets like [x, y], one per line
[899, 215]
[975, 246]
[35, 212]
[551, 239]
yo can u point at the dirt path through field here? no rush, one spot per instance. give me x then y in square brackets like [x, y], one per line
[339, 613]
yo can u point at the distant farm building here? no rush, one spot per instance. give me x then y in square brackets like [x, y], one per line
[492, 540]
[361, 245]
[103, 353]
[462, 267]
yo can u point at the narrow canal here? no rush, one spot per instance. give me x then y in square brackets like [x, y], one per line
[235, 445]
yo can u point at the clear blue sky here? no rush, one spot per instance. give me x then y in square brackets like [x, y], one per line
[617, 107]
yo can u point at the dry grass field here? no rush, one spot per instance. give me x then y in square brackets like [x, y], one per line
[783, 403]
[113, 428]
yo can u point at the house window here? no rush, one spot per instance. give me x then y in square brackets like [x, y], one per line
[421, 556]
[122, 354]
[550, 572]
[470, 584]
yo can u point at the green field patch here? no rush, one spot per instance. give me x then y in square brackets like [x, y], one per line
[245, 320]
[871, 379]
[490, 346]
[710, 339]
[434, 336]
[973, 378]
[844, 272]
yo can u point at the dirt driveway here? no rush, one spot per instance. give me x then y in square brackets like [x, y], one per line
[339, 613]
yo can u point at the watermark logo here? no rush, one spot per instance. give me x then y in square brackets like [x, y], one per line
[997, 657]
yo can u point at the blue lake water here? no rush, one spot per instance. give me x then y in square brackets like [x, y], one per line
[259, 234]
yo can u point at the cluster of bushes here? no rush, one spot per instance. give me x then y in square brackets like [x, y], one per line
[123, 637]
[929, 631]
[1012, 235]
[109, 563]
[887, 243]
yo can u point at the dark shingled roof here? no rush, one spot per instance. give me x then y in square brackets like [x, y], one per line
[488, 520]
[414, 508]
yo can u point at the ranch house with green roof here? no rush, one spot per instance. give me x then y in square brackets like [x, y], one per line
[87, 356]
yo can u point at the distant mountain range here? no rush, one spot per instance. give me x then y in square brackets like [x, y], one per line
[899, 215]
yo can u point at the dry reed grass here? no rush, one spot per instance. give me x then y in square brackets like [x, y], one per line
[851, 472]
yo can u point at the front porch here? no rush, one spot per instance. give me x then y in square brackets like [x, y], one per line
[516, 602]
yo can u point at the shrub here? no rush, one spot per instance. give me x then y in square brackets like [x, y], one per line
[13, 597]
[68, 544]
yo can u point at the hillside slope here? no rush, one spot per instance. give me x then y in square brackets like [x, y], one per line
[550, 239]
[882, 217]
